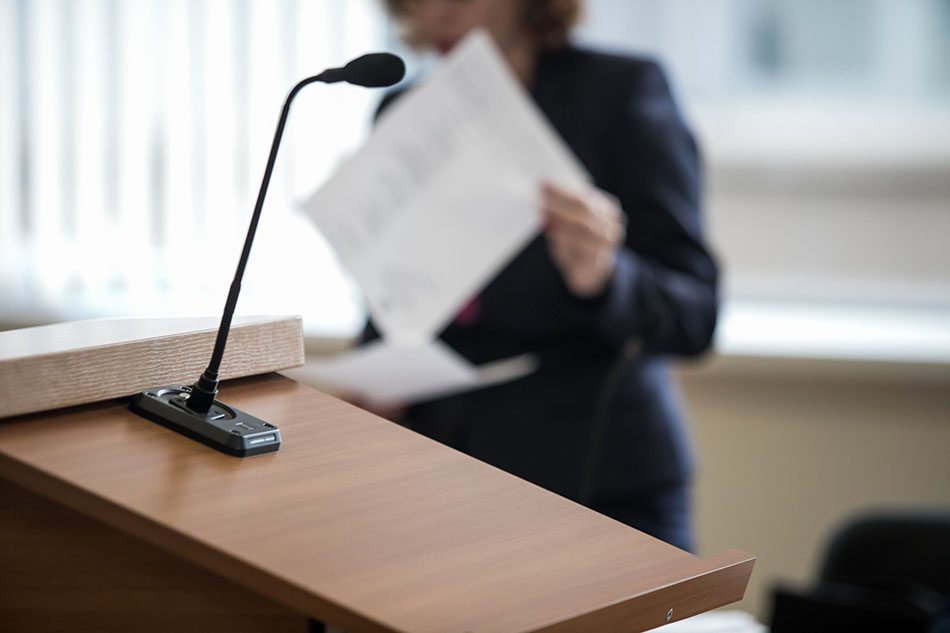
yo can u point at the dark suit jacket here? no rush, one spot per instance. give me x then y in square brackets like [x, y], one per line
[618, 116]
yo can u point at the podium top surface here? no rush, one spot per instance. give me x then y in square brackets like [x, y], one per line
[71, 336]
[362, 523]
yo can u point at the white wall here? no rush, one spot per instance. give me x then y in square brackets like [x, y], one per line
[874, 234]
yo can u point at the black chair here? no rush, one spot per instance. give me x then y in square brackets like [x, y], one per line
[881, 572]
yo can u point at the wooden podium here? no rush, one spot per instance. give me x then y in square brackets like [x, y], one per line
[109, 522]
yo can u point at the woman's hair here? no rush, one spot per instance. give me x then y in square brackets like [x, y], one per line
[549, 21]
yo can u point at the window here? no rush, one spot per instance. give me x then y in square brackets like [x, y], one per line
[134, 136]
[826, 131]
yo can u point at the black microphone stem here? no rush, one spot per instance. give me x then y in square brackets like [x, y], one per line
[204, 391]
[193, 411]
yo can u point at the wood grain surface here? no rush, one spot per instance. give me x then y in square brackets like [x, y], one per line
[362, 523]
[63, 571]
[67, 364]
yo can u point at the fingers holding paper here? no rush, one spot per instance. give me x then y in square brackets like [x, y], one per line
[585, 231]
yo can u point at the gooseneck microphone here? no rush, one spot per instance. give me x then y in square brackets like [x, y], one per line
[373, 70]
[193, 411]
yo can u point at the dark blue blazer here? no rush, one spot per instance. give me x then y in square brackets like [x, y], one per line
[618, 116]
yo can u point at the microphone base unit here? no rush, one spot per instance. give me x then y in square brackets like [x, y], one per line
[224, 428]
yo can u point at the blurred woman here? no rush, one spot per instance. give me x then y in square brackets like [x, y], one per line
[620, 279]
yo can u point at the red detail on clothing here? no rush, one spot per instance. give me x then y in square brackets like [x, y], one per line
[468, 315]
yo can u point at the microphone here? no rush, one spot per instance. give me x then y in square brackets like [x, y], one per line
[373, 70]
[193, 411]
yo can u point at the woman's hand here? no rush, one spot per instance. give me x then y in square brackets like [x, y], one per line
[585, 231]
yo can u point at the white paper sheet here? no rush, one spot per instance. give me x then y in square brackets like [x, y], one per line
[386, 373]
[444, 193]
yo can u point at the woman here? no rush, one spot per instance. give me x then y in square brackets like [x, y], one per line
[619, 279]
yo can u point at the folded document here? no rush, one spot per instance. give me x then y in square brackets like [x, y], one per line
[385, 372]
[443, 195]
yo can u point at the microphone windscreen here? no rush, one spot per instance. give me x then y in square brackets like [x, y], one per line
[375, 70]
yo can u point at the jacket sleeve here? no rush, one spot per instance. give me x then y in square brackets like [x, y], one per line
[664, 288]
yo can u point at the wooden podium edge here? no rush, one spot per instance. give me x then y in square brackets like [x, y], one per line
[719, 580]
[116, 370]
[199, 552]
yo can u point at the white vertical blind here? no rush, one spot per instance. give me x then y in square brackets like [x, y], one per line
[221, 127]
[136, 124]
[133, 137]
[180, 133]
[46, 168]
[11, 191]
[94, 202]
